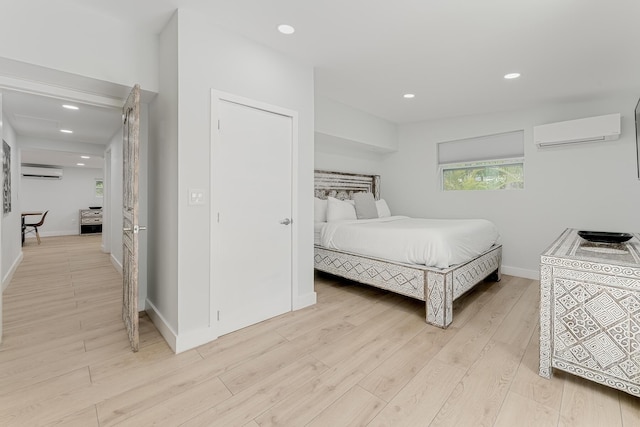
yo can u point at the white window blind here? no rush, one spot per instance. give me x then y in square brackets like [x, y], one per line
[491, 147]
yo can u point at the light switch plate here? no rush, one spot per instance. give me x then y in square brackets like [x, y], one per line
[196, 196]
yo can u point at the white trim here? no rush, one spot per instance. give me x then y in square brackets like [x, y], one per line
[520, 272]
[51, 91]
[7, 277]
[178, 343]
[106, 203]
[187, 341]
[32, 235]
[161, 325]
[216, 97]
[116, 263]
[306, 300]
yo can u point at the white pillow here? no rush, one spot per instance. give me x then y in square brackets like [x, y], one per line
[383, 209]
[320, 210]
[338, 210]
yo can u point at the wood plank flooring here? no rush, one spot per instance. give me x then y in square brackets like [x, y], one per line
[360, 356]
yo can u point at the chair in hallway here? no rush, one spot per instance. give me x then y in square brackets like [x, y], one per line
[35, 226]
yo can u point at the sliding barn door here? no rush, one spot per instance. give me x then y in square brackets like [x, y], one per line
[130, 168]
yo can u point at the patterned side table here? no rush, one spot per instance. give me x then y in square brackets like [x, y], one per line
[590, 310]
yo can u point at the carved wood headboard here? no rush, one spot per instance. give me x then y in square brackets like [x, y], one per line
[342, 185]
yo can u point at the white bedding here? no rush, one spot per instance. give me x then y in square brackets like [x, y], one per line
[317, 231]
[437, 243]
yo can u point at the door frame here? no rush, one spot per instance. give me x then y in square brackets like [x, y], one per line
[68, 93]
[217, 97]
[106, 203]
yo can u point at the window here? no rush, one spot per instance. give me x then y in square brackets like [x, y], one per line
[493, 162]
[99, 187]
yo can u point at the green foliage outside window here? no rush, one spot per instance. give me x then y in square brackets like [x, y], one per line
[99, 188]
[484, 176]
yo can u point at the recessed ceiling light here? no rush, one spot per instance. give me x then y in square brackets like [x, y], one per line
[85, 157]
[79, 164]
[286, 29]
[409, 95]
[66, 131]
[511, 76]
[70, 107]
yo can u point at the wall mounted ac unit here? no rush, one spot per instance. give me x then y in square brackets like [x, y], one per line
[43, 172]
[591, 129]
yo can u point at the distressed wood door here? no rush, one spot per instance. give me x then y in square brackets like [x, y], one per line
[1, 223]
[130, 226]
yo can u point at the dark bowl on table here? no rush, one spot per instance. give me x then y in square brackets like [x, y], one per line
[604, 236]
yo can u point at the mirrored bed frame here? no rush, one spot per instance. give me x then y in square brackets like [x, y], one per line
[437, 287]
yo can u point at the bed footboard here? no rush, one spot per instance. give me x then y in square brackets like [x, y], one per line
[445, 286]
[437, 287]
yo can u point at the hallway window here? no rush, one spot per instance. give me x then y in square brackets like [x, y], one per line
[99, 187]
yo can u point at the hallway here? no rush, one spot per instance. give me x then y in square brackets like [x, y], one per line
[62, 323]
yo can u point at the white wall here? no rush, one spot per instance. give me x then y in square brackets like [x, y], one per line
[10, 236]
[340, 155]
[590, 186]
[335, 119]
[113, 212]
[79, 41]
[211, 58]
[163, 287]
[32, 143]
[63, 199]
[350, 140]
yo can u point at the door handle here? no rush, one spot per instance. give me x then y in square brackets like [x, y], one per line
[136, 228]
[286, 221]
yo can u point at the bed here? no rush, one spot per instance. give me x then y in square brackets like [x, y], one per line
[433, 278]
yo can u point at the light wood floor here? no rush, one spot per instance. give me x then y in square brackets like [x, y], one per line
[360, 356]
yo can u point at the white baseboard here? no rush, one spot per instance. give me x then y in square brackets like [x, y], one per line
[305, 300]
[116, 263]
[192, 339]
[7, 277]
[55, 233]
[520, 272]
[178, 343]
[161, 324]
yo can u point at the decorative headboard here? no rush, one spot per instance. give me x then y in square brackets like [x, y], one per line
[342, 185]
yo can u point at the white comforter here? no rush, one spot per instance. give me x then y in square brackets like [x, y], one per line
[437, 243]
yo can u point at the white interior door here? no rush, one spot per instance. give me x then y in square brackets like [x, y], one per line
[252, 209]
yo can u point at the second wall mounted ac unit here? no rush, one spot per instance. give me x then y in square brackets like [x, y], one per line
[591, 129]
[42, 172]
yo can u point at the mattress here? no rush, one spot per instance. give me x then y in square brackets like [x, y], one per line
[439, 243]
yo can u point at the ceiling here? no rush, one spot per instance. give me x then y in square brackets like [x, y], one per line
[452, 54]
[41, 118]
